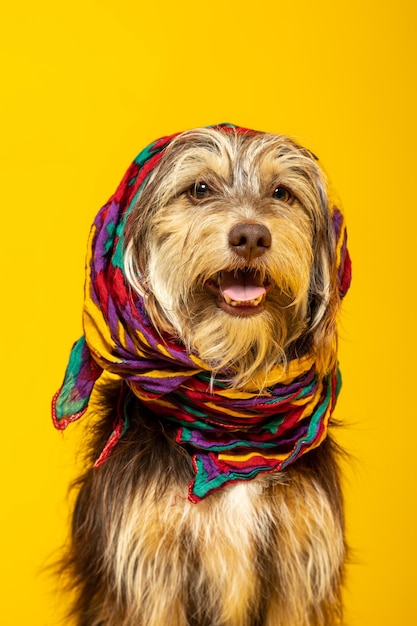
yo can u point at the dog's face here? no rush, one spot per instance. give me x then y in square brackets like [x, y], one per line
[231, 244]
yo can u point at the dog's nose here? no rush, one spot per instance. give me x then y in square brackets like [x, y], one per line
[249, 239]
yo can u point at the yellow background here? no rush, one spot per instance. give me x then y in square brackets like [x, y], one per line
[86, 85]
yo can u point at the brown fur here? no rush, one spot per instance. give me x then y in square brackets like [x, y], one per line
[267, 552]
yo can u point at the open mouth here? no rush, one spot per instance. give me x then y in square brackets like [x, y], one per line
[239, 292]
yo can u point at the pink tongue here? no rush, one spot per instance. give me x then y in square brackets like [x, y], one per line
[241, 286]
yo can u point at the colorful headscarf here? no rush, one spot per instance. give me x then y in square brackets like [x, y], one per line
[232, 434]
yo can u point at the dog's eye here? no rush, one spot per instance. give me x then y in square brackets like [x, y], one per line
[199, 191]
[283, 194]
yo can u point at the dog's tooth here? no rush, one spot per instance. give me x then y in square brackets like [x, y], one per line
[237, 303]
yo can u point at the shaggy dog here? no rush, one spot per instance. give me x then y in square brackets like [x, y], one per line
[214, 277]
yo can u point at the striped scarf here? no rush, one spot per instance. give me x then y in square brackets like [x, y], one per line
[232, 434]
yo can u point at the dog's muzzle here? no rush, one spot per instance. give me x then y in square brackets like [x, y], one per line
[242, 292]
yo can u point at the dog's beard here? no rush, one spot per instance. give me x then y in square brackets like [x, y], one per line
[244, 349]
[179, 246]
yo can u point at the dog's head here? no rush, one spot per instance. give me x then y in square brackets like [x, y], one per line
[232, 244]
